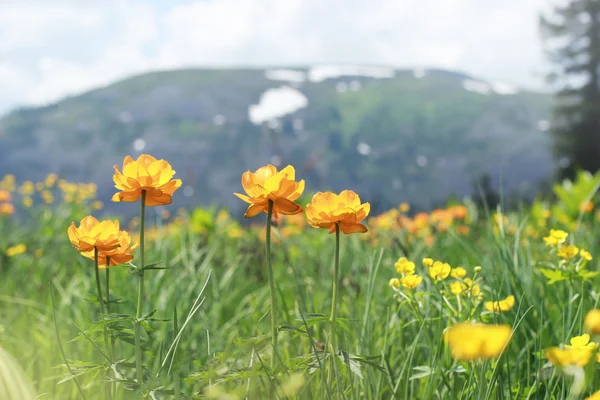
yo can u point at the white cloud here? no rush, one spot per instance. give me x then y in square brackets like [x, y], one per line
[47, 52]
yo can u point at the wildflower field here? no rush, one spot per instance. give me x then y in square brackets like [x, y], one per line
[313, 298]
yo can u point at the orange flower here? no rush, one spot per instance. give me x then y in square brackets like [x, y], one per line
[4, 196]
[7, 209]
[145, 174]
[118, 256]
[93, 234]
[266, 184]
[326, 210]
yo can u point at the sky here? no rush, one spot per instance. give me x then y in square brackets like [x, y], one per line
[50, 49]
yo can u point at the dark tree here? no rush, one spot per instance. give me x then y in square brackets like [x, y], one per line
[572, 36]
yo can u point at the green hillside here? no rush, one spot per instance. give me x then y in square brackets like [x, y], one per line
[400, 138]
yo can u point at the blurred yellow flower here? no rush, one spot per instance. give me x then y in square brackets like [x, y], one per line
[428, 262]
[235, 232]
[567, 251]
[411, 281]
[502, 305]
[579, 357]
[267, 184]
[586, 255]
[7, 209]
[145, 174]
[469, 341]
[328, 210]
[458, 272]
[395, 283]
[38, 253]
[556, 237]
[27, 202]
[91, 234]
[404, 267]
[5, 196]
[594, 396]
[592, 321]
[439, 270]
[404, 207]
[27, 188]
[465, 288]
[16, 250]
[582, 342]
[39, 186]
[97, 205]
[50, 180]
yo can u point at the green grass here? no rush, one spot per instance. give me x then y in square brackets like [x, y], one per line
[214, 293]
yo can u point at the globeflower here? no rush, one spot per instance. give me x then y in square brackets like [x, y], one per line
[330, 210]
[469, 341]
[117, 256]
[145, 175]
[267, 185]
[92, 234]
[7, 209]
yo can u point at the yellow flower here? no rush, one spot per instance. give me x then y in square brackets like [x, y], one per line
[585, 255]
[411, 281]
[27, 188]
[395, 283]
[39, 186]
[465, 288]
[7, 209]
[97, 205]
[404, 207]
[27, 202]
[502, 305]
[439, 270]
[91, 234]
[594, 396]
[267, 184]
[404, 267]
[458, 272]
[469, 342]
[145, 174]
[50, 180]
[582, 342]
[326, 210]
[428, 262]
[556, 237]
[5, 196]
[119, 255]
[592, 321]
[579, 357]
[567, 251]
[16, 250]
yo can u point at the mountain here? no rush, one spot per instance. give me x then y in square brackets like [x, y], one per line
[391, 135]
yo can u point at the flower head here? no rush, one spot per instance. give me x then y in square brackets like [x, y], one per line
[594, 396]
[582, 342]
[465, 287]
[439, 270]
[7, 209]
[117, 256]
[586, 255]
[555, 237]
[395, 283]
[411, 281]
[5, 196]
[326, 210]
[468, 341]
[428, 262]
[16, 250]
[567, 251]
[458, 272]
[145, 174]
[592, 321]
[104, 236]
[502, 305]
[404, 267]
[578, 357]
[267, 184]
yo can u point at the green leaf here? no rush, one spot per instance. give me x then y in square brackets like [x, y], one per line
[553, 275]
[423, 371]
[585, 275]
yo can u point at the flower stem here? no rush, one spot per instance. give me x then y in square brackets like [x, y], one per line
[138, 315]
[336, 271]
[271, 285]
[112, 339]
[101, 301]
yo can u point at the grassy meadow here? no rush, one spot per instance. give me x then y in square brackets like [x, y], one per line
[205, 323]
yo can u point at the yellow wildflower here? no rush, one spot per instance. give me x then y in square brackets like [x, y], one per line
[582, 342]
[594, 396]
[579, 357]
[465, 288]
[411, 281]
[585, 255]
[404, 267]
[567, 251]
[428, 262]
[556, 237]
[7, 209]
[469, 342]
[458, 272]
[592, 321]
[502, 305]
[404, 207]
[16, 250]
[395, 283]
[439, 270]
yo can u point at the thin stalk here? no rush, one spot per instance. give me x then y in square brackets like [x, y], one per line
[138, 315]
[112, 339]
[334, 295]
[101, 300]
[271, 285]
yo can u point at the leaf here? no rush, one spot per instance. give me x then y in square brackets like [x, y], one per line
[586, 275]
[292, 329]
[424, 371]
[553, 275]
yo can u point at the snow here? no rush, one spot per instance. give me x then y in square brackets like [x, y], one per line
[320, 73]
[275, 103]
[287, 75]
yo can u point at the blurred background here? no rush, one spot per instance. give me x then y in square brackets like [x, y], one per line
[412, 101]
